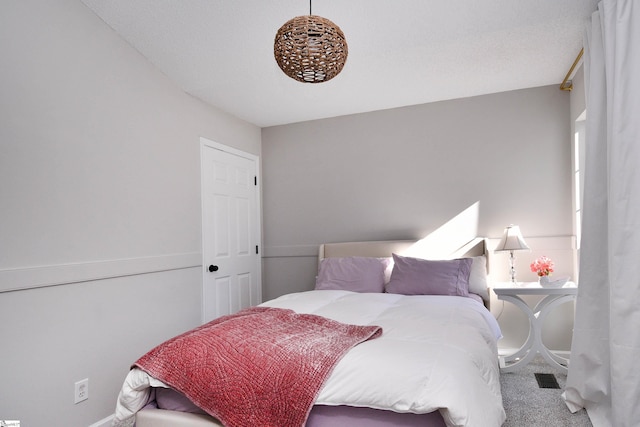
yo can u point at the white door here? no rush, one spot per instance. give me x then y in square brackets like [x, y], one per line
[230, 230]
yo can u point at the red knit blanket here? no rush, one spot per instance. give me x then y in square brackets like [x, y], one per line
[260, 367]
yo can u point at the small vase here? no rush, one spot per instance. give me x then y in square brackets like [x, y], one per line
[543, 280]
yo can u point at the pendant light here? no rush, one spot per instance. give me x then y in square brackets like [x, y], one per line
[310, 49]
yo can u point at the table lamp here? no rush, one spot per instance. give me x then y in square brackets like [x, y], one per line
[512, 241]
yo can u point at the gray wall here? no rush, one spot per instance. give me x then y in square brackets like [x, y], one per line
[404, 173]
[99, 179]
[100, 198]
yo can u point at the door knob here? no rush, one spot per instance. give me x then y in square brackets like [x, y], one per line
[213, 268]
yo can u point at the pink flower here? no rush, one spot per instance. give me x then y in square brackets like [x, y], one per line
[543, 266]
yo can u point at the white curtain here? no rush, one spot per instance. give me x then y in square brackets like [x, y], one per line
[604, 373]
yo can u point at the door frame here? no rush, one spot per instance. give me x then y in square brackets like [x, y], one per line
[204, 143]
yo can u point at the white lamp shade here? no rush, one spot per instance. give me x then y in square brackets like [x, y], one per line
[512, 240]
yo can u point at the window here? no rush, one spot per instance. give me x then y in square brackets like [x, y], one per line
[578, 178]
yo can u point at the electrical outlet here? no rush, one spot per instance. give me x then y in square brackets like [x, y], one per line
[81, 390]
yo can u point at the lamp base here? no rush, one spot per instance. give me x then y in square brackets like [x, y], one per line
[512, 269]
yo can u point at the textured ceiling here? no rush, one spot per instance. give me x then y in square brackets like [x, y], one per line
[401, 52]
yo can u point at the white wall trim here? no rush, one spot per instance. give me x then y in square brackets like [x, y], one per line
[290, 251]
[105, 422]
[545, 242]
[54, 275]
[231, 150]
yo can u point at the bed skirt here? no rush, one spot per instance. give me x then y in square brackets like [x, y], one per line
[320, 416]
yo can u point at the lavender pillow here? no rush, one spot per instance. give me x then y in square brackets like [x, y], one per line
[414, 276]
[357, 274]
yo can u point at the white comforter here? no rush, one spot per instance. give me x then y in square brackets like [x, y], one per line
[435, 353]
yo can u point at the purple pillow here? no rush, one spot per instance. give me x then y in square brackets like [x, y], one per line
[414, 276]
[357, 274]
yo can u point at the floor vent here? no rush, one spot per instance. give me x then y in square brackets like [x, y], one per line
[547, 381]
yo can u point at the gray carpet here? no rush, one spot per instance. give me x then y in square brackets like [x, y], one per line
[528, 405]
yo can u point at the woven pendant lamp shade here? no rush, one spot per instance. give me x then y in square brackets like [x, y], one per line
[310, 49]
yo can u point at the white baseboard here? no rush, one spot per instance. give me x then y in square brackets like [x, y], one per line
[507, 351]
[105, 422]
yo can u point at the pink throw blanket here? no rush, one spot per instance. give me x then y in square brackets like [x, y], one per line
[260, 367]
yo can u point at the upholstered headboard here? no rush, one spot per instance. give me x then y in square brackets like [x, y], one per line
[381, 249]
[475, 247]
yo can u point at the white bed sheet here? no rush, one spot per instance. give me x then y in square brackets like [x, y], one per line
[435, 353]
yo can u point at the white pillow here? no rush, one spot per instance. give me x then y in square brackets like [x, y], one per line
[478, 277]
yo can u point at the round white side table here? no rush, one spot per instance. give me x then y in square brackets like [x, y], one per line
[534, 345]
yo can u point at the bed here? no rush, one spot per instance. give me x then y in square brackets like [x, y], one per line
[426, 353]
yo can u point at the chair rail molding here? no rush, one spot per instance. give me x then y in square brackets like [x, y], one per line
[62, 274]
